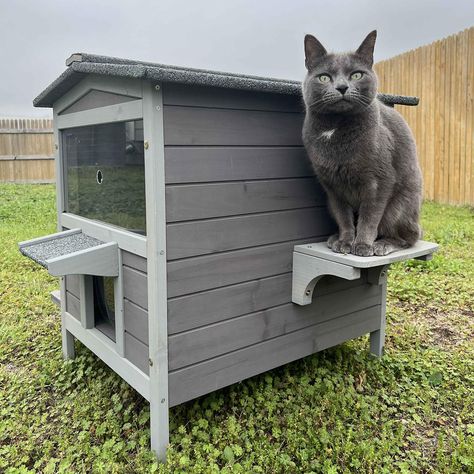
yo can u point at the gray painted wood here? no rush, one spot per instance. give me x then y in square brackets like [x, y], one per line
[211, 341]
[203, 96]
[134, 261]
[56, 297]
[136, 352]
[377, 276]
[67, 339]
[104, 348]
[212, 271]
[194, 238]
[196, 380]
[99, 260]
[319, 250]
[307, 271]
[86, 301]
[156, 262]
[48, 238]
[204, 201]
[209, 164]
[126, 240]
[205, 377]
[205, 126]
[94, 99]
[136, 321]
[208, 307]
[72, 284]
[73, 305]
[116, 85]
[135, 286]
[111, 113]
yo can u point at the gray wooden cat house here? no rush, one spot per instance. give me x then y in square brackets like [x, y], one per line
[185, 199]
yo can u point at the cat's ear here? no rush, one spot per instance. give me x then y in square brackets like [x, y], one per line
[366, 49]
[313, 50]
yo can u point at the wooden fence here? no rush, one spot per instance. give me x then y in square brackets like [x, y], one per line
[26, 151]
[442, 75]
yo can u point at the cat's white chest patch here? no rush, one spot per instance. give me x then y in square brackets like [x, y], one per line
[327, 134]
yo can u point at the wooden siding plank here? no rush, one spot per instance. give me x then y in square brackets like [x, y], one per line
[193, 381]
[136, 321]
[136, 352]
[135, 286]
[73, 305]
[213, 271]
[72, 284]
[208, 307]
[203, 201]
[211, 341]
[207, 164]
[205, 126]
[134, 261]
[216, 97]
[194, 238]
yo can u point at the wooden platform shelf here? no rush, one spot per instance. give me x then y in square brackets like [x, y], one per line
[311, 262]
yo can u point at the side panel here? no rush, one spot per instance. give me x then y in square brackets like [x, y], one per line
[240, 194]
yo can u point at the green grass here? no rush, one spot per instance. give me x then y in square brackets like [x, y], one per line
[339, 411]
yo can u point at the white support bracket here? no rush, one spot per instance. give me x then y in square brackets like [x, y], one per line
[308, 270]
[312, 261]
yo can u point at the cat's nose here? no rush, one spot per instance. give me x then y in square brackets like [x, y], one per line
[342, 88]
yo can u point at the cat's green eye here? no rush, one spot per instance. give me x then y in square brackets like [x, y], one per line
[356, 76]
[324, 78]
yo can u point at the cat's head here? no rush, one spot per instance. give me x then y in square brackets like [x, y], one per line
[339, 83]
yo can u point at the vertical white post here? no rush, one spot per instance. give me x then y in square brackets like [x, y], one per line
[118, 302]
[156, 266]
[67, 337]
[378, 276]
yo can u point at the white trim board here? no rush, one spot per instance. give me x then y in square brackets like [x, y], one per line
[129, 241]
[111, 113]
[104, 348]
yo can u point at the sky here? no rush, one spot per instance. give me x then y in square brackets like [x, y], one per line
[260, 37]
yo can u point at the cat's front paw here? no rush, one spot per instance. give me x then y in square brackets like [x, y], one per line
[362, 249]
[333, 238]
[339, 245]
[342, 246]
[382, 247]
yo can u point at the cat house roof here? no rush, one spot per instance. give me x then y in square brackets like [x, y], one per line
[81, 64]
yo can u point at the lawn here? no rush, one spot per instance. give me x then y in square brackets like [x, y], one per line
[339, 411]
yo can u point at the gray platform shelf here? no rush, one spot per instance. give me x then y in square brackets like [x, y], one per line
[72, 252]
[313, 261]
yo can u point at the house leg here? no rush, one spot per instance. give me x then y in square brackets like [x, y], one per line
[159, 428]
[378, 276]
[67, 338]
[67, 342]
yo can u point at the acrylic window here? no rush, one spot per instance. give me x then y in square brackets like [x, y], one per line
[104, 173]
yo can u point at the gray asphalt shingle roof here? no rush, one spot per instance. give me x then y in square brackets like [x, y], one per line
[81, 64]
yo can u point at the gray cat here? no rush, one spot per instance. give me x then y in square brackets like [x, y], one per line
[362, 151]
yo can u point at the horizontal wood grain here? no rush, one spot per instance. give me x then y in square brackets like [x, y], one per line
[206, 96]
[203, 201]
[212, 271]
[206, 126]
[199, 379]
[194, 238]
[192, 164]
[211, 341]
